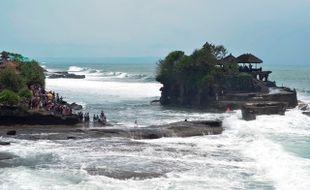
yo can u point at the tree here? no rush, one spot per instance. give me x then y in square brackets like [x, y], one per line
[218, 51]
[166, 67]
[10, 80]
[32, 72]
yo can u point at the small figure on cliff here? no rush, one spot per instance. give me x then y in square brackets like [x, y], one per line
[136, 124]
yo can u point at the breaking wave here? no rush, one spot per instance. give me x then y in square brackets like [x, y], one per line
[97, 74]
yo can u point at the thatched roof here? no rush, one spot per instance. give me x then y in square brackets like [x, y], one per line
[8, 64]
[228, 60]
[249, 58]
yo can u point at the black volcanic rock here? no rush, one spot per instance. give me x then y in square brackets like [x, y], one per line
[4, 143]
[178, 129]
[75, 106]
[10, 115]
[56, 75]
[11, 133]
[251, 109]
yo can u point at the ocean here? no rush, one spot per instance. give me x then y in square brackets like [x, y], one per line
[272, 152]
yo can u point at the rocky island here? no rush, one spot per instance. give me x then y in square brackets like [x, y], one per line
[210, 79]
[23, 98]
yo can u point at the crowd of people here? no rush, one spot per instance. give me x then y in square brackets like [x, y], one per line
[48, 101]
[54, 104]
[96, 118]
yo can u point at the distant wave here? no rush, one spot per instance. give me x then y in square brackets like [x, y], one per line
[109, 75]
[75, 69]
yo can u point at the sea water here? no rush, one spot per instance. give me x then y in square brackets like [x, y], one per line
[272, 152]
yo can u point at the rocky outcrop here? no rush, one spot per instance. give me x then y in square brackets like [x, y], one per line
[11, 133]
[251, 109]
[4, 143]
[306, 113]
[178, 129]
[284, 95]
[6, 156]
[56, 75]
[11, 115]
[75, 106]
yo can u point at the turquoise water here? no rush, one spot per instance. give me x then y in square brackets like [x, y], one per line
[271, 152]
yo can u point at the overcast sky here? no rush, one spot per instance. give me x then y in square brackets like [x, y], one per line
[278, 31]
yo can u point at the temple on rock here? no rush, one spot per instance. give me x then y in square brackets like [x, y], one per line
[209, 79]
[246, 62]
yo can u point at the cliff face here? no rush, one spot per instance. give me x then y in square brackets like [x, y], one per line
[206, 96]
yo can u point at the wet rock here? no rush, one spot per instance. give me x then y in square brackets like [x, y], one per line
[6, 156]
[4, 143]
[6, 165]
[123, 174]
[252, 109]
[303, 106]
[57, 75]
[10, 115]
[76, 106]
[11, 133]
[178, 129]
[306, 113]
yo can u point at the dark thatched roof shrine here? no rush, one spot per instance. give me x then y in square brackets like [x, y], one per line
[249, 58]
[228, 60]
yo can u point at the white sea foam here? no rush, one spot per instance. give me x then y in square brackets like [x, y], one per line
[102, 90]
[75, 69]
[259, 140]
[96, 74]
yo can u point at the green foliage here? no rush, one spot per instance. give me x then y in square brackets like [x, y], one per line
[31, 72]
[166, 66]
[8, 97]
[231, 68]
[218, 51]
[10, 80]
[192, 70]
[25, 93]
[244, 75]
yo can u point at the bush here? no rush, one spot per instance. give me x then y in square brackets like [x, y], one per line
[10, 80]
[25, 93]
[8, 97]
[32, 72]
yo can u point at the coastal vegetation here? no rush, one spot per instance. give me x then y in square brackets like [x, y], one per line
[17, 74]
[9, 98]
